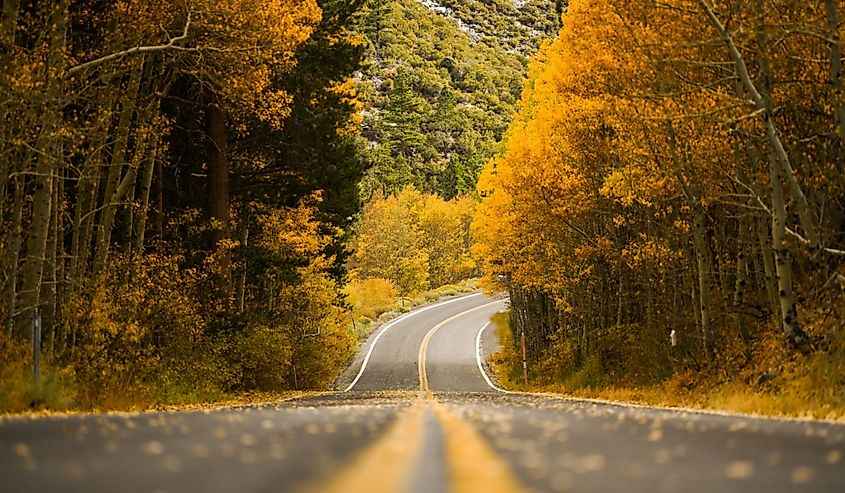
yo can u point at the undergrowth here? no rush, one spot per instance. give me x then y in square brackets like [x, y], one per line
[764, 379]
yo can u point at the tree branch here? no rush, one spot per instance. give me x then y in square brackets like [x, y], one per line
[171, 44]
[766, 114]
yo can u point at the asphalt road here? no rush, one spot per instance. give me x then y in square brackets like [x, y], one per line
[396, 425]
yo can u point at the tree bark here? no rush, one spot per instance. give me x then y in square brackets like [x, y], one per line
[45, 171]
[218, 191]
[765, 243]
[795, 336]
[835, 48]
[13, 255]
[158, 224]
[48, 288]
[741, 282]
[145, 187]
[704, 282]
[241, 288]
[114, 184]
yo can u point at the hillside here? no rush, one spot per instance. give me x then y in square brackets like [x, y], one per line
[442, 84]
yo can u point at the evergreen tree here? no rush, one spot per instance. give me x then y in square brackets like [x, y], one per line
[402, 117]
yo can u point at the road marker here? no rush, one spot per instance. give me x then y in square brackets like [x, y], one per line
[474, 467]
[391, 324]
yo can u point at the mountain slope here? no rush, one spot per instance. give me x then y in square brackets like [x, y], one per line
[442, 83]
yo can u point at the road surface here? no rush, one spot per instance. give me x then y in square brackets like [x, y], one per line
[422, 416]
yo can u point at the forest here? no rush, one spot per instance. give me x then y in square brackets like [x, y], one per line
[441, 97]
[183, 189]
[178, 180]
[203, 199]
[668, 208]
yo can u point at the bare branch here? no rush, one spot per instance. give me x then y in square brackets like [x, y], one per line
[805, 241]
[170, 45]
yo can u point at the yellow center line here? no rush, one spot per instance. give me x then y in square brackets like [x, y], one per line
[388, 464]
[424, 390]
[474, 467]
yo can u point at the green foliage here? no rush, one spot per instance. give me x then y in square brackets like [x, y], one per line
[503, 24]
[441, 98]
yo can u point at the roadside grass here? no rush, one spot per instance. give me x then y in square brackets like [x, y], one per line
[777, 384]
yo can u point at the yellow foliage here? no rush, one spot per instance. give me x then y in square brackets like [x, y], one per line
[414, 240]
[138, 341]
[633, 196]
[370, 297]
[295, 231]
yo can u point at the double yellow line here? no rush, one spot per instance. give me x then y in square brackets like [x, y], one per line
[421, 357]
[387, 465]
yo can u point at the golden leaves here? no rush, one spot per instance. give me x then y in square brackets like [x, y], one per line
[416, 241]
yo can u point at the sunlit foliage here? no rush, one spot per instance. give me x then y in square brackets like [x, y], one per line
[416, 241]
[668, 173]
[177, 179]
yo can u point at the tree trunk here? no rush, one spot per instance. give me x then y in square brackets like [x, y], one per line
[146, 185]
[795, 336]
[218, 191]
[704, 283]
[13, 255]
[88, 187]
[158, 225]
[741, 282]
[765, 242]
[48, 288]
[241, 288]
[114, 184]
[836, 70]
[147, 171]
[742, 256]
[45, 171]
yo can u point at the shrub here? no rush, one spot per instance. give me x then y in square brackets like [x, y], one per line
[370, 297]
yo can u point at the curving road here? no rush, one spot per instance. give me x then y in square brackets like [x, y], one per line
[416, 413]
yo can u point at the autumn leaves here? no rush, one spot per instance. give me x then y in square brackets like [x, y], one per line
[155, 209]
[674, 164]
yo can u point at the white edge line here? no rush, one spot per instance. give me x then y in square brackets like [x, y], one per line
[391, 324]
[478, 360]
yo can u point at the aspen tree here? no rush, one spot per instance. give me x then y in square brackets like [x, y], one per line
[46, 172]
